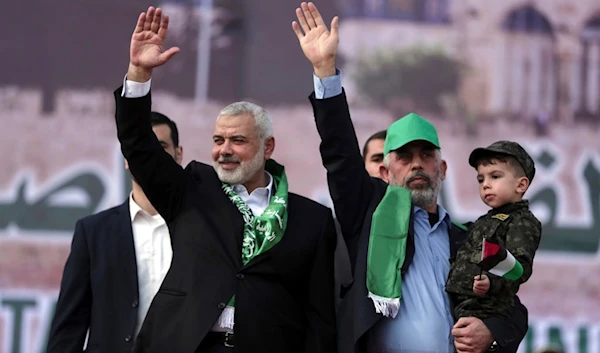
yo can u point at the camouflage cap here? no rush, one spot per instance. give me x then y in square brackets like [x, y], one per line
[508, 148]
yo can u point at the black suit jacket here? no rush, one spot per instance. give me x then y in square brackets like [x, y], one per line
[284, 298]
[355, 196]
[99, 288]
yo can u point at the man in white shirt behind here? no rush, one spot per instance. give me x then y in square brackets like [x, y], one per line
[118, 260]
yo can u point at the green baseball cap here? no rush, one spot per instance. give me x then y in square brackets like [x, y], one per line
[407, 129]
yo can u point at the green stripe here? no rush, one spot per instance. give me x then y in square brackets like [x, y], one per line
[516, 272]
[460, 226]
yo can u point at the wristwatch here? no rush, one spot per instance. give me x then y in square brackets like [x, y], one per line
[493, 347]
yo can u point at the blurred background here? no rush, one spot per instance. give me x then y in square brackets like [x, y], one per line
[481, 70]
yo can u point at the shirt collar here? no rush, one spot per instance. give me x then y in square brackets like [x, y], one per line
[444, 216]
[265, 191]
[134, 208]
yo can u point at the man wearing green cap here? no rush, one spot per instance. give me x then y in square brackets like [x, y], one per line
[398, 237]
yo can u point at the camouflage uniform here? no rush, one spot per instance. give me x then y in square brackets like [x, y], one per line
[514, 227]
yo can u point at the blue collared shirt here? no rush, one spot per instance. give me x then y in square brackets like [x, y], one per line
[425, 321]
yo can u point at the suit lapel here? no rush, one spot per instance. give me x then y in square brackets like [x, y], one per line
[365, 316]
[264, 256]
[125, 246]
[232, 226]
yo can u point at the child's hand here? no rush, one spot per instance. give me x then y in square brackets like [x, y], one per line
[481, 285]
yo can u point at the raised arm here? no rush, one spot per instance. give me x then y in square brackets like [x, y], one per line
[350, 186]
[161, 178]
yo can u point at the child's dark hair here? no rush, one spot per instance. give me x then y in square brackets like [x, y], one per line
[511, 161]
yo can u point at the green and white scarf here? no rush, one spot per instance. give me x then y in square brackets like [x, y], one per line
[261, 233]
[387, 250]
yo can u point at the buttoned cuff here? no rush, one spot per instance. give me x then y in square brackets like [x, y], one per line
[132, 89]
[329, 86]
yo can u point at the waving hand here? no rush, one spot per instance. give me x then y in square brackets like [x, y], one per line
[317, 42]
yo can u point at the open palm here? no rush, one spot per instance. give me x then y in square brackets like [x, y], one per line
[146, 49]
[318, 43]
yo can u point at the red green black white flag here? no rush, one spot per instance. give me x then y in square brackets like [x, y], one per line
[498, 261]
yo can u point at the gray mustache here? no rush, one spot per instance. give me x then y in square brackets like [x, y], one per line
[419, 174]
[228, 160]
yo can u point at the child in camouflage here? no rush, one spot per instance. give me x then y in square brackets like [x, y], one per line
[504, 172]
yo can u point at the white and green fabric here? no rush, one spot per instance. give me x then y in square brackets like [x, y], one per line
[387, 250]
[263, 232]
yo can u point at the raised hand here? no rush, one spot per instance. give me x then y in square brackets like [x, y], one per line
[146, 49]
[318, 43]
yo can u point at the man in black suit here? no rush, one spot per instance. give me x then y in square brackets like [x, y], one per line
[252, 266]
[118, 260]
[373, 158]
[399, 238]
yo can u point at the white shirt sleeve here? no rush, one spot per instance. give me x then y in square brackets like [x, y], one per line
[132, 89]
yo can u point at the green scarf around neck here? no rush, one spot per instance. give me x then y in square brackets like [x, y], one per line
[263, 232]
[387, 250]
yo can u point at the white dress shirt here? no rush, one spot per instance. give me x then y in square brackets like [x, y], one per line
[153, 255]
[257, 200]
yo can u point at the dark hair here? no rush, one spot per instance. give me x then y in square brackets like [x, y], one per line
[157, 118]
[511, 161]
[379, 135]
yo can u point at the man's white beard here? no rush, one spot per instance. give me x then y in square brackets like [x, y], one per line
[423, 196]
[244, 171]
